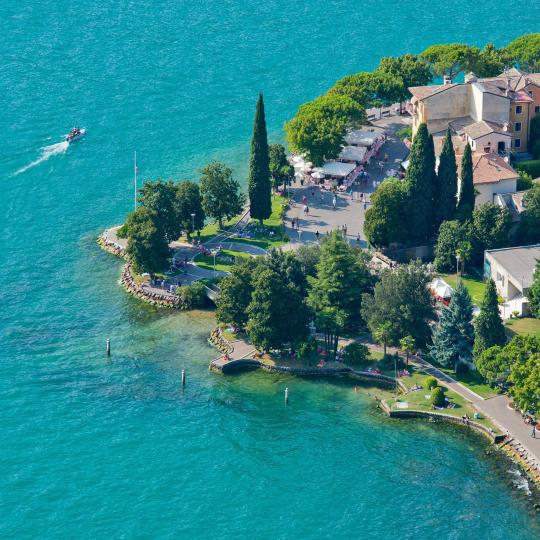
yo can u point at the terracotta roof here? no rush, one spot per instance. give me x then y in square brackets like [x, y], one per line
[475, 130]
[529, 78]
[489, 168]
[423, 92]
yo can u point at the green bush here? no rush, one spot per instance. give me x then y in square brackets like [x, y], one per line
[524, 182]
[431, 382]
[193, 296]
[531, 166]
[122, 232]
[307, 350]
[391, 361]
[437, 396]
[355, 353]
[536, 150]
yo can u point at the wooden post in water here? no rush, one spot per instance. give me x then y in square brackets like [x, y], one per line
[183, 377]
[286, 396]
[108, 347]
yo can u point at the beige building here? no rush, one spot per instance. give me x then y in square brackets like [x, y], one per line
[512, 271]
[493, 115]
[491, 176]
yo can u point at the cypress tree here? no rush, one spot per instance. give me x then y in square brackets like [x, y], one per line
[259, 185]
[466, 189]
[488, 326]
[453, 337]
[446, 195]
[421, 183]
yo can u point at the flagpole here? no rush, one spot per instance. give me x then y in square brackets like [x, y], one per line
[135, 179]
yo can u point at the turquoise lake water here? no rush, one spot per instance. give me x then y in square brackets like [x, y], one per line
[98, 449]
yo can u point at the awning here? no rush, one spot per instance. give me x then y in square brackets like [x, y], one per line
[336, 168]
[353, 153]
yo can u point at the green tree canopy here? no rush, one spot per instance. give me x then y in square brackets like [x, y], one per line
[451, 59]
[529, 227]
[319, 127]
[488, 325]
[525, 51]
[451, 235]
[289, 267]
[188, 202]
[490, 229]
[421, 181]
[453, 336]
[235, 294]
[408, 70]
[534, 292]
[493, 364]
[466, 189]
[147, 247]
[277, 314]
[383, 223]
[259, 186]
[280, 169]
[492, 61]
[446, 183]
[342, 276]
[221, 196]
[400, 298]
[160, 198]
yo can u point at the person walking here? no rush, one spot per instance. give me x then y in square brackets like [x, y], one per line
[358, 238]
[317, 235]
[322, 197]
[334, 202]
[533, 432]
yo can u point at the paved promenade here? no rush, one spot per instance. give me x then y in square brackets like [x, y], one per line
[350, 210]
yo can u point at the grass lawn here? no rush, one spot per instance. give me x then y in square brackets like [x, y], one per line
[474, 283]
[212, 229]
[523, 326]
[417, 400]
[222, 264]
[472, 380]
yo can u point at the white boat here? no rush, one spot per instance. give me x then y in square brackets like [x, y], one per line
[75, 134]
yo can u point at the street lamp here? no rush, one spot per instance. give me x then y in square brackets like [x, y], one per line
[458, 258]
[193, 222]
[214, 253]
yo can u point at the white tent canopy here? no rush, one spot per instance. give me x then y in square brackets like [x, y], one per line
[336, 168]
[441, 288]
[353, 153]
[364, 137]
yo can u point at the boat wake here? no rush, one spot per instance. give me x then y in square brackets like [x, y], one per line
[46, 153]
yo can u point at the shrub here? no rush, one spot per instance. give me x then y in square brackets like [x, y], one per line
[524, 181]
[307, 350]
[193, 296]
[431, 382]
[531, 167]
[122, 232]
[437, 396]
[355, 353]
[462, 367]
[387, 363]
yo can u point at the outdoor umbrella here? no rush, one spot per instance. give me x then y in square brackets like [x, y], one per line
[317, 174]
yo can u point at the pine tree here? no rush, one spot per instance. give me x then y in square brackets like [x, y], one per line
[421, 183]
[488, 326]
[453, 337]
[466, 189]
[259, 185]
[446, 194]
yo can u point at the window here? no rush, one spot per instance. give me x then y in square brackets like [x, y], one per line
[537, 109]
[518, 126]
[518, 109]
[517, 143]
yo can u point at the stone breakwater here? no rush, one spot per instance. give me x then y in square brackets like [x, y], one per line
[110, 247]
[218, 341]
[149, 296]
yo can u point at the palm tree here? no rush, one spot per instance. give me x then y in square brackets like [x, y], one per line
[407, 344]
[382, 334]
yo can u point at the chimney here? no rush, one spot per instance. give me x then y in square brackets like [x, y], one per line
[507, 86]
[505, 126]
[471, 77]
[447, 79]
